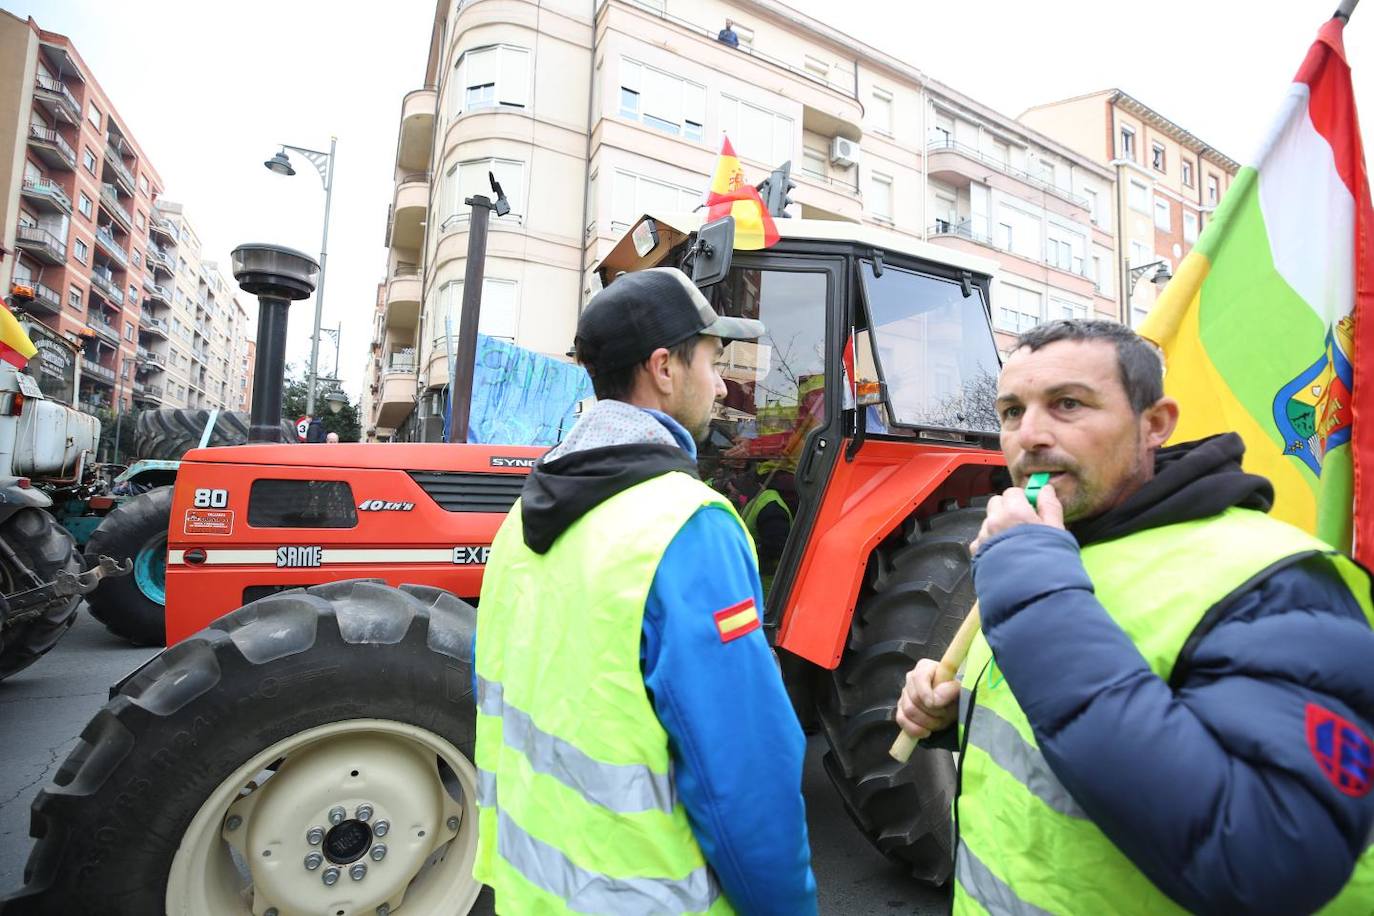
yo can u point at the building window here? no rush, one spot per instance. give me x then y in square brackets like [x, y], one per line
[1127, 150]
[1157, 157]
[128, 335]
[74, 298]
[634, 195]
[942, 134]
[1006, 236]
[88, 160]
[499, 316]
[1161, 214]
[757, 133]
[880, 195]
[1001, 152]
[467, 179]
[143, 183]
[1059, 308]
[814, 162]
[1213, 189]
[81, 251]
[882, 111]
[487, 77]
[138, 258]
[1139, 254]
[1100, 276]
[84, 204]
[93, 115]
[139, 219]
[1186, 168]
[1189, 226]
[816, 67]
[1140, 197]
[1018, 309]
[663, 101]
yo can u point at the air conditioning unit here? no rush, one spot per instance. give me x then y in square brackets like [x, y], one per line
[843, 152]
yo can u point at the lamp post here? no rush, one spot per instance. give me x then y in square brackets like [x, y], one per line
[123, 364]
[1133, 274]
[324, 164]
[335, 333]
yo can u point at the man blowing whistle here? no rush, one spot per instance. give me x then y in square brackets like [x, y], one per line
[1171, 703]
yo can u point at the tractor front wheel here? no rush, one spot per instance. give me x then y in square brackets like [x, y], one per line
[308, 753]
[916, 594]
[134, 606]
[46, 548]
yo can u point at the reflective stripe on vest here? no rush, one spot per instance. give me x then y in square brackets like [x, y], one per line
[577, 807]
[1029, 847]
[754, 508]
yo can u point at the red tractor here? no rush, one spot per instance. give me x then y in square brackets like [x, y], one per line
[305, 744]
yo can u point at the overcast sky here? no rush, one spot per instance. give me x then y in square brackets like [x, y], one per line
[210, 89]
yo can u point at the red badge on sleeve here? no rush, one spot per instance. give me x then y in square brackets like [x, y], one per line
[737, 619]
[1342, 751]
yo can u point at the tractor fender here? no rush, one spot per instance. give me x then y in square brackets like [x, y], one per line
[13, 497]
[864, 501]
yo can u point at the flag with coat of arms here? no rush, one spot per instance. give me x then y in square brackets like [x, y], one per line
[731, 195]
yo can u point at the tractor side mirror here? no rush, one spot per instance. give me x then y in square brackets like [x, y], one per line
[712, 250]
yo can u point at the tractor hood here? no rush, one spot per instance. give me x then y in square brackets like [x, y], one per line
[400, 456]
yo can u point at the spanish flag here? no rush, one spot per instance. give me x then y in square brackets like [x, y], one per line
[731, 195]
[15, 346]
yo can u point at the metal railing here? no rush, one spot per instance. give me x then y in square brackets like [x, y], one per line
[148, 391]
[404, 361]
[166, 227]
[149, 323]
[57, 88]
[47, 135]
[95, 370]
[41, 293]
[963, 149]
[55, 247]
[963, 230]
[107, 286]
[109, 196]
[160, 259]
[110, 246]
[46, 188]
[113, 157]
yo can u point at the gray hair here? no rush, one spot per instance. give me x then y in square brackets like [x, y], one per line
[1137, 360]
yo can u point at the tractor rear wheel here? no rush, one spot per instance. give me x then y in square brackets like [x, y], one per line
[46, 548]
[915, 596]
[168, 432]
[134, 606]
[308, 753]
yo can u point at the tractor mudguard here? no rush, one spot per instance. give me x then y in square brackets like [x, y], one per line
[865, 500]
[13, 497]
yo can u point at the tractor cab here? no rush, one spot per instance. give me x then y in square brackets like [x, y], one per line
[869, 400]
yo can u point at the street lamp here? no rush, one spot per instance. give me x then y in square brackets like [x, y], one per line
[1161, 278]
[324, 164]
[336, 401]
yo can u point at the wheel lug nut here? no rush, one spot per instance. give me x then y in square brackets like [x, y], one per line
[270, 911]
[453, 823]
[379, 852]
[313, 861]
[330, 876]
[381, 828]
[233, 823]
[364, 813]
[337, 814]
[358, 871]
[384, 910]
[315, 837]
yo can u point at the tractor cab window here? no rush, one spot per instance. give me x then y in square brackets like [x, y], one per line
[934, 350]
[775, 396]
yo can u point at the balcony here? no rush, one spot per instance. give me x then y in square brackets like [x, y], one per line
[42, 244]
[148, 392]
[403, 303]
[408, 211]
[161, 261]
[35, 297]
[92, 370]
[123, 176]
[109, 201]
[149, 361]
[417, 130]
[57, 99]
[103, 328]
[105, 241]
[396, 393]
[46, 195]
[961, 237]
[51, 148]
[161, 225]
[153, 327]
[156, 293]
[105, 285]
[947, 160]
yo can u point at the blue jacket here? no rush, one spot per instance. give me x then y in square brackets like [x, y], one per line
[1210, 789]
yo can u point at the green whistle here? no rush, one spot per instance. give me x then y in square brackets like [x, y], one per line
[1034, 484]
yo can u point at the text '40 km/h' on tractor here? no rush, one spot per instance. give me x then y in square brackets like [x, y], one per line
[311, 751]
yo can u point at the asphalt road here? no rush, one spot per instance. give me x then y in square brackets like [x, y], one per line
[44, 708]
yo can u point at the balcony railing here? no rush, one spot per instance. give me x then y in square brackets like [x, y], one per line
[157, 291]
[116, 163]
[47, 139]
[42, 298]
[107, 286]
[96, 371]
[153, 325]
[109, 196]
[42, 244]
[161, 260]
[963, 149]
[106, 240]
[403, 361]
[144, 390]
[963, 230]
[61, 96]
[165, 227]
[42, 190]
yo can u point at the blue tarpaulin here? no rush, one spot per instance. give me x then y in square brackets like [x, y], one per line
[520, 397]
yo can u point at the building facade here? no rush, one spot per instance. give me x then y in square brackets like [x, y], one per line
[624, 113]
[90, 253]
[1167, 182]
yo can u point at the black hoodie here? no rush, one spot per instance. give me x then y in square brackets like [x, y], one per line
[1193, 480]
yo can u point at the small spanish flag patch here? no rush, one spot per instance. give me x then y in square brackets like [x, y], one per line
[737, 620]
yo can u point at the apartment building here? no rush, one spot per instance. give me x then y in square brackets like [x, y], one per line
[1167, 182]
[589, 123]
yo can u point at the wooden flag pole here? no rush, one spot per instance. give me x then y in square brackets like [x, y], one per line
[949, 666]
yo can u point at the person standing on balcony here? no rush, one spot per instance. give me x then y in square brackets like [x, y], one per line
[727, 35]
